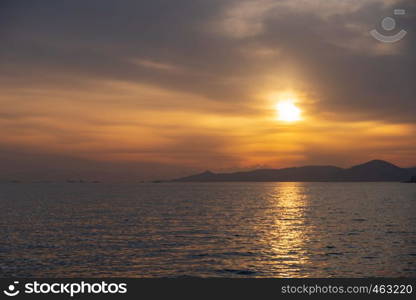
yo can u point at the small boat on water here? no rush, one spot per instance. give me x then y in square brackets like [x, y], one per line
[412, 180]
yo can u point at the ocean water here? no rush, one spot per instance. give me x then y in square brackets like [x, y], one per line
[208, 230]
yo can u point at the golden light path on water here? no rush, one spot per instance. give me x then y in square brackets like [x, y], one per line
[289, 233]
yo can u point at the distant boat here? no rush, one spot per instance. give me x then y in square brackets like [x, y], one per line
[412, 180]
[75, 181]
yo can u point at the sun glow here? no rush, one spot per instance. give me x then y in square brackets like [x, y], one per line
[288, 112]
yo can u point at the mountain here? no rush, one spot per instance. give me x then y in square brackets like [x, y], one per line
[376, 170]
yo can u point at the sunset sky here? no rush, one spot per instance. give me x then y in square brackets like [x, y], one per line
[147, 89]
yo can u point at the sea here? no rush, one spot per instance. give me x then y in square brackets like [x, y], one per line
[246, 230]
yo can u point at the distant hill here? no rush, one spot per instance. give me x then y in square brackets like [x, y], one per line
[376, 170]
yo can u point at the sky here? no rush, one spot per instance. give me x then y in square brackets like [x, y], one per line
[149, 89]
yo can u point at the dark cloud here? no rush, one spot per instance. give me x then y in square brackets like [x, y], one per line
[96, 40]
[351, 74]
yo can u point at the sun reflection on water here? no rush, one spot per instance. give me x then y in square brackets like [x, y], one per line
[289, 232]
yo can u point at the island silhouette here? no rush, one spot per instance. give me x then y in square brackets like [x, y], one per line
[372, 171]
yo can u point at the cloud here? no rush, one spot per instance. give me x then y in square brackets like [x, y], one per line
[187, 82]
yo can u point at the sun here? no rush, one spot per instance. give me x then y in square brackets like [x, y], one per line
[288, 111]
